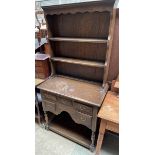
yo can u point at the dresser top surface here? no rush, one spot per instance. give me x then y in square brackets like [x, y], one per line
[110, 108]
[77, 90]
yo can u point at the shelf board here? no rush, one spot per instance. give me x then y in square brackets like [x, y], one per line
[87, 40]
[78, 61]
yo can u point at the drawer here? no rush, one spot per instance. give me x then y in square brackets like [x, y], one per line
[84, 119]
[83, 108]
[65, 101]
[38, 63]
[48, 96]
[49, 106]
[39, 69]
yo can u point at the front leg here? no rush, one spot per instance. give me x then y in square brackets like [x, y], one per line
[92, 146]
[94, 122]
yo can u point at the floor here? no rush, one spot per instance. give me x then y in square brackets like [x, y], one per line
[50, 143]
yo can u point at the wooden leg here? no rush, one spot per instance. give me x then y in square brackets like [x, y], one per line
[100, 136]
[46, 119]
[92, 147]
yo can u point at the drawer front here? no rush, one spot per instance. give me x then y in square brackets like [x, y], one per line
[65, 101]
[39, 69]
[38, 63]
[48, 96]
[84, 119]
[83, 108]
[49, 106]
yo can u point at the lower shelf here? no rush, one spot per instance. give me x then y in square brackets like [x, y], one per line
[64, 125]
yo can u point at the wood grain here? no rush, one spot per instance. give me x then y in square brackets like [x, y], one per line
[75, 89]
[110, 108]
[80, 50]
[78, 43]
[78, 61]
[114, 58]
[42, 66]
[87, 25]
[109, 117]
[100, 136]
[83, 72]
[110, 38]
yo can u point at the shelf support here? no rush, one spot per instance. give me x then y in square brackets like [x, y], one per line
[50, 48]
[109, 45]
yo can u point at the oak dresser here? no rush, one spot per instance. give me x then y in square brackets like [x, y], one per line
[80, 39]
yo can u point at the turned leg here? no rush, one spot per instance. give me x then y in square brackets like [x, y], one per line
[46, 119]
[100, 136]
[92, 146]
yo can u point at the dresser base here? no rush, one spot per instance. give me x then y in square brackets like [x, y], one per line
[62, 124]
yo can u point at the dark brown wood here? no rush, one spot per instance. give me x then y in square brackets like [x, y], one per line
[79, 44]
[114, 58]
[78, 61]
[85, 92]
[64, 125]
[79, 71]
[110, 38]
[78, 6]
[80, 50]
[50, 50]
[42, 66]
[92, 25]
[64, 94]
[92, 146]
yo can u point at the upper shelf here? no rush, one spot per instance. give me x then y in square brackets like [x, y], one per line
[78, 61]
[87, 40]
